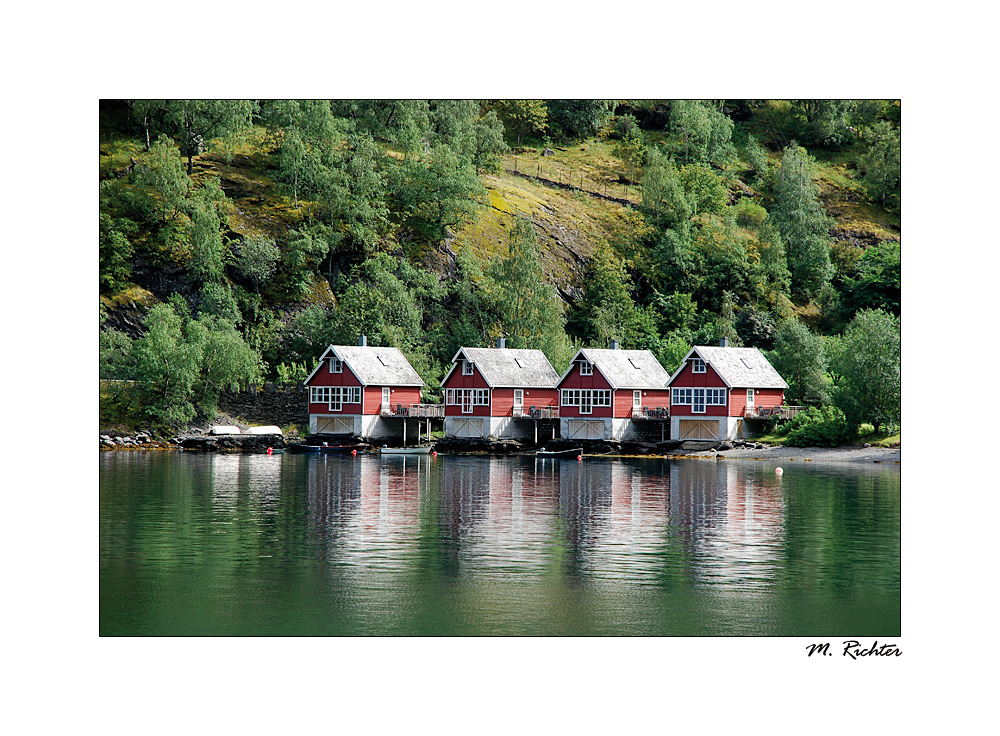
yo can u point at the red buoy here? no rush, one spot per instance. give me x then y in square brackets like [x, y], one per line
[435, 453]
[354, 452]
[270, 450]
[579, 457]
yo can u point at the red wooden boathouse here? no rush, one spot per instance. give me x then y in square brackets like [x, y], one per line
[716, 388]
[365, 391]
[499, 392]
[606, 392]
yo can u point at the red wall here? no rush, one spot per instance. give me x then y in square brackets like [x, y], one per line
[323, 377]
[650, 397]
[457, 380]
[503, 399]
[763, 397]
[697, 380]
[403, 395]
[596, 381]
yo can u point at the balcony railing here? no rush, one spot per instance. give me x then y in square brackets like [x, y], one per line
[766, 412]
[535, 412]
[421, 411]
[649, 412]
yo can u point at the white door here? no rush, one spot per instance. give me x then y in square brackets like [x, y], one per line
[749, 401]
[386, 398]
[518, 401]
[637, 399]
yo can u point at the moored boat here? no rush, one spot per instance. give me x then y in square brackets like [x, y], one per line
[573, 452]
[406, 450]
[327, 449]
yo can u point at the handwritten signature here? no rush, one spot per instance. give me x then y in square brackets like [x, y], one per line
[855, 649]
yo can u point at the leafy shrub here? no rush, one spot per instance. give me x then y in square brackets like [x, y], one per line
[816, 427]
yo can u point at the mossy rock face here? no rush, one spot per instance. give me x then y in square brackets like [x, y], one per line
[132, 295]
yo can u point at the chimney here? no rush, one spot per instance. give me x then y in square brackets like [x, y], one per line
[501, 343]
[362, 341]
[724, 342]
[614, 345]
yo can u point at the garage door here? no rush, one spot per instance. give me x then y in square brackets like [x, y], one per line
[467, 427]
[585, 429]
[335, 425]
[699, 429]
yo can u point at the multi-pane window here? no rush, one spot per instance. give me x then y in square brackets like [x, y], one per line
[467, 397]
[467, 368]
[586, 368]
[697, 365]
[335, 396]
[698, 398]
[585, 398]
[336, 365]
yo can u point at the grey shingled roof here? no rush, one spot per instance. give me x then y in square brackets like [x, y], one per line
[741, 367]
[627, 368]
[499, 366]
[392, 370]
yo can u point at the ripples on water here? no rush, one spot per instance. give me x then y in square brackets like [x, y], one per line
[257, 544]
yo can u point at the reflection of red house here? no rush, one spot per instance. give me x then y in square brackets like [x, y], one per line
[717, 387]
[605, 391]
[359, 390]
[498, 392]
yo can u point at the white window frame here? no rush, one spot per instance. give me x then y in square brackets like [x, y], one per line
[697, 365]
[468, 368]
[586, 368]
[637, 399]
[336, 365]
[586, 403]
[715, 397]
[465, 399]
[480, 397]
[698, 400]
[681, 396]
[519, 398]
[449, 396]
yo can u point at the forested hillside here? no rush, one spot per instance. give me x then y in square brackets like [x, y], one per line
[238, 238]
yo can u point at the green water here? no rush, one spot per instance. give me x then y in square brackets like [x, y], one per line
[196, 544]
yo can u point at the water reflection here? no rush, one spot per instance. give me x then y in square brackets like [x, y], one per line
[465, 544]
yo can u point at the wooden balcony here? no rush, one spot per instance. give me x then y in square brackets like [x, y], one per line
[650, 413]
[767, 412]
[535, 412]
[419, 411]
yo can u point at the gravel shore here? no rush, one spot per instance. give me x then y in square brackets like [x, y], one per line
[810, 454]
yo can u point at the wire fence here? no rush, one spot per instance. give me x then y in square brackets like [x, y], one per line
[622, 192]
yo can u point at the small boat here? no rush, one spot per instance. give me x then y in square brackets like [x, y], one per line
[327, 449]
[559, 453]
[406, 450]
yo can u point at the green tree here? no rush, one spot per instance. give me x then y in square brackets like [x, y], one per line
[527, 306]
[804, 226]
[702, 133]
[705, 190]
[194, 123]
[663, 195]
[578, 118]
[437, 192]
[256, 259]
[866, 361]
[881, 161]
[877, 280]
[217, 300]
[115, 252]
[166, 367]
[117, 356]
[522, 117]
[227, 361]
[799, 358]
[405, 123]
[824, 122]
[161, 177]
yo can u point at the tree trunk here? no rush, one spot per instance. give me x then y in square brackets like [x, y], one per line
[190, 164]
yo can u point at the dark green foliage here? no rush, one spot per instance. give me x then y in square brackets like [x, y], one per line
[701, 133]
[404, 123]
[881, 162]
[522, 117]
[115, 251]
[825, 123]
[117, 360]
[877, 280]
[866, 362]
[217, 300]
[804, 226]
[194, 123]
[255, 259]
[817, 427]
[436, 192]
[800, 359]
[578, 118]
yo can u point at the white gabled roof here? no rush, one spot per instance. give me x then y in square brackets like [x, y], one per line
[509, 367]
[624, 368]
[374, 366]
[737, 367]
